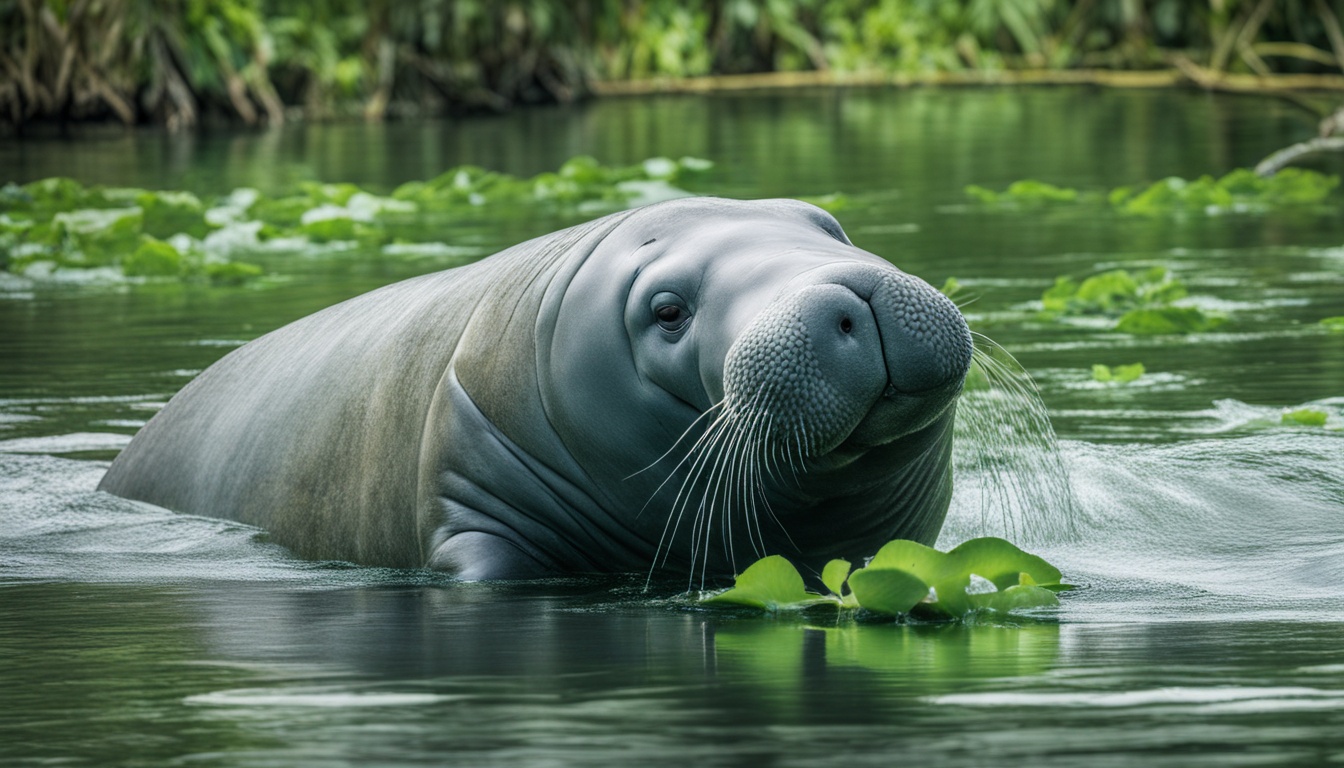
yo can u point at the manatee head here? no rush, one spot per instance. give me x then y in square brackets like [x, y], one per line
[770, 389]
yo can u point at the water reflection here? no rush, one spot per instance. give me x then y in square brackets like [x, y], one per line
[248, 674]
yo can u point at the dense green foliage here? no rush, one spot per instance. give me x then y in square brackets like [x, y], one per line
[159, 60]
[58, 223]
[905, 577]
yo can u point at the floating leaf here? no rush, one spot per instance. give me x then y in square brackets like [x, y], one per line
[771, 583]
[1306, 417]
[834, 575]
[887, 590]
[154, 258]
[1166, 320]
[232, 272]
[1001, 562]
[1120, 374]
[168, 213]
[906, 576]
[1024, 192]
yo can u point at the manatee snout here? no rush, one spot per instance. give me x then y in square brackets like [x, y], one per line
[861, 359]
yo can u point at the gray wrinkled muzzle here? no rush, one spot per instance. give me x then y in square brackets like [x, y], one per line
[868, 356]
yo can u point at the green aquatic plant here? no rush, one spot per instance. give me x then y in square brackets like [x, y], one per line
[1239, 191]
[154, 258]
[1305, 417]
[1027, 192]
[59, 223]
[905, 577]
[1157, 321]
[1141, 302]
[1114, 291]
[1120, 374]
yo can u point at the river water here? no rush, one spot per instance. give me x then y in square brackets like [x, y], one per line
[1206, 536]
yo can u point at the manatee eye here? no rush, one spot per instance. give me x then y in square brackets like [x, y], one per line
[670, 312]
[846, 325]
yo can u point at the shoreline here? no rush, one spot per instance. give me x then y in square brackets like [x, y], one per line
[1183, 74]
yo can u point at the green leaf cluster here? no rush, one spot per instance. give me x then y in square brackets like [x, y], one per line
[1141, 302]
[60, 221]
[1239, 191]
[1120, 374]
[1116, 291]
[908, 578]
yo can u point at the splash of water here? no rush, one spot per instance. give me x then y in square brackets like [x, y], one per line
[1011, 479]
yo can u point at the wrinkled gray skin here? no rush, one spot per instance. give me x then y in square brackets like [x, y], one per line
[782, 391]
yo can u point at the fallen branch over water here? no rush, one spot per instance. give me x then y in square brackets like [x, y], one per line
[1277, 161]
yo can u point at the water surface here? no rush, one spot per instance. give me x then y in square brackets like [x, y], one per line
[1208, 538]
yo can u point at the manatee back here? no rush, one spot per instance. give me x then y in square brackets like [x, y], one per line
[313, 431]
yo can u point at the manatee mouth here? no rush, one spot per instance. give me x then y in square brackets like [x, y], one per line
[897, 414]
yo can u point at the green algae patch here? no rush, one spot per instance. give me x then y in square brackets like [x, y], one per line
[907, 578]
[1305, 417]
[1119, 374]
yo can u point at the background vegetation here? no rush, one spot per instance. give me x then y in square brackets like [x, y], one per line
[180, 61]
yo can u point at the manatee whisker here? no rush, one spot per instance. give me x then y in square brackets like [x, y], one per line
[698, 443]
[683, 435]
[703, 452]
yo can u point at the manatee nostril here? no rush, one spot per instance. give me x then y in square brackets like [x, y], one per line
[846, 325]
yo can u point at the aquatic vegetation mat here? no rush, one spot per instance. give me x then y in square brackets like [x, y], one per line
[60, 224]
[1240, 191]
[1141, 303]
[907, 578]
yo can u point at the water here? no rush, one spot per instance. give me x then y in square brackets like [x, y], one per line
[1208, 538]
